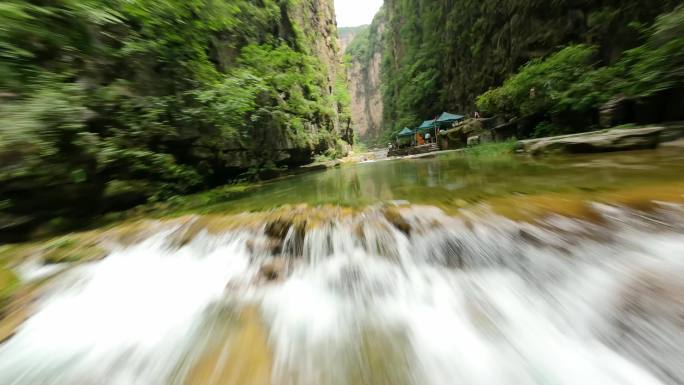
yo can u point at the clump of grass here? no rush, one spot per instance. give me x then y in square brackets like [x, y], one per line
[492, 150]
[360, 147]
[322, 158]
[70, 250]
[626, 126]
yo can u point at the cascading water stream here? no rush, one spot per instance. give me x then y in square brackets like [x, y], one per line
[416, 298]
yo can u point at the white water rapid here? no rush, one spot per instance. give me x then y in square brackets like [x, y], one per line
[439, 301]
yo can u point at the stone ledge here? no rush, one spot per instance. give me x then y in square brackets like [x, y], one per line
[604, 141]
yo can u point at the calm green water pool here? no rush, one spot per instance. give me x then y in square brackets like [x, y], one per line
[453, 178]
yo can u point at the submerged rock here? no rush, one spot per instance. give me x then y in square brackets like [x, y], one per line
[236, 352]
[394, 217]
[653, 300]
[274, 270]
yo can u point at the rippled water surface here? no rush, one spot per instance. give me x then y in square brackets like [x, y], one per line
[426, 281]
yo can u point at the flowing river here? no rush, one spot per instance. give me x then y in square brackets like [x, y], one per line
[431, 271]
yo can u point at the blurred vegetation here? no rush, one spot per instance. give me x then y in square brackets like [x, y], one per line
[105, 104]
[8, 284]
[441, 55]
[492, 150]
[575, 82]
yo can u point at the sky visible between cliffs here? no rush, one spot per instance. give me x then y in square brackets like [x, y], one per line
[351, 13]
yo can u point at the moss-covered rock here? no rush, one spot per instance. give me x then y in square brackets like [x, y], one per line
[9, 282]
[124, 194]
[72, 249]
[394, 216]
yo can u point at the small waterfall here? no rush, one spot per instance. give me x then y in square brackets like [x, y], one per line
[388, 295]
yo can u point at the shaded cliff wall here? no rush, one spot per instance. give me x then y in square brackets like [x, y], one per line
[441, 54]
[347, 34]
[364, 60]
[108, 104]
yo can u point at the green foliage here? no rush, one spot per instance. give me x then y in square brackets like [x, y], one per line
[226, 104]
[261, 171]
[659, 63]
[360, 147]
[572, 83]
[492, 150]
[541, 85]
[342, 98]
[359, 47]
[141, 99]
[545, 129]
[440, 55]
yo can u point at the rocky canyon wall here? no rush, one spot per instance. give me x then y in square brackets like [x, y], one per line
[440, 55]
[364, 62]
[121, 102]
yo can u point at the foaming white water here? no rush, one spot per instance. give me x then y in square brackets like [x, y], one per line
[367, 302]
[124, 320]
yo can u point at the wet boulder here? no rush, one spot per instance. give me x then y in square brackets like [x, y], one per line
[602, 141]
[473, 141]
[274, 270]
[278, 228]
[397, 220]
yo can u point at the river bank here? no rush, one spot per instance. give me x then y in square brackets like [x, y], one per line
[612, 140]
[234, 277]
[227, 265]
[486, 177]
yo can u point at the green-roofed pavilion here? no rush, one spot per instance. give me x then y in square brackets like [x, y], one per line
[405, 132]
[449, 118]
[427, 124]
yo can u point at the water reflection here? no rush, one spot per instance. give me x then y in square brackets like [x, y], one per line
[450, 178]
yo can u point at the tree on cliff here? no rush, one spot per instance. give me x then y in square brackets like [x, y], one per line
[440, 55]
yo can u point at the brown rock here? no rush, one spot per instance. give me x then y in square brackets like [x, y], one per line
[274, 270]
[602, 141]
[278, 228]
[615, 112]
[394, 217]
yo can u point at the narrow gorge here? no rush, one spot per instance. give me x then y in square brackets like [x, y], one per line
[183, 200]
[363, 58]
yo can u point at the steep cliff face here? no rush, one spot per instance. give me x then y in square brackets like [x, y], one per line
[364, 59]
[345, 35]
[116, 102]
[316, 31]
[441, 54]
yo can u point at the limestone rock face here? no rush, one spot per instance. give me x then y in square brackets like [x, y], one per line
[364, 79]
[89, 155]
[441, 55]
[345, 35]
[603, 141]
